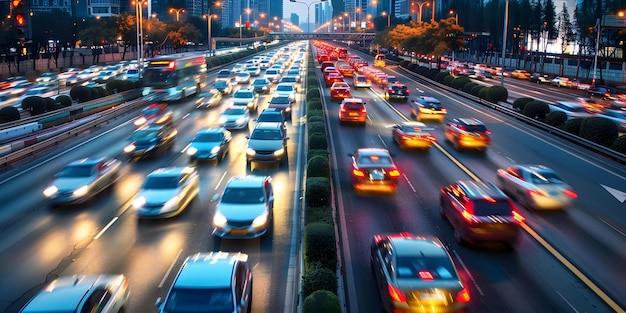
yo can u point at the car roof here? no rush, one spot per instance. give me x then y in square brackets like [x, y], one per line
[469, 121]
[373, 151]
[570, 104]
[213, 130]
[478, 190]
[430, 99]
[423, 246]
[170, 171]
[247, 181]
[413, 124]
[87, 161]
[209, 270]
[353, 100]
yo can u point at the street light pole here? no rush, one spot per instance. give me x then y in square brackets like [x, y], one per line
[308, 12]
[506, 22]
[388, 18]
[139, 17]
[595, 59]
[240, 30]
[420, 6]
[177, 11]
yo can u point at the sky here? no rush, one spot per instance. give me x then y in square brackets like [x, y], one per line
[298, 8]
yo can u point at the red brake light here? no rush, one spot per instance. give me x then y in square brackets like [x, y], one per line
[463, 296]
[488, 132]
[425, 275]
[468, 216]
[395, 294]
[364, 110]
[358, 173]
[570, 193]
[518, 217]
[394, 173]
[431, 138]
[172, 65]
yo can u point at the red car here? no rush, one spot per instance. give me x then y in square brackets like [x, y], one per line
[156, 113]
[340, 90]
[373, 169]
[333, 78]
[346, 70]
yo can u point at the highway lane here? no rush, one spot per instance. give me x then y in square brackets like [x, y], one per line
[501, 279]
[40, 243]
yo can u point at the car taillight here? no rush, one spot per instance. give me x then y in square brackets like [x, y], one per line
[430, 138]
[358, 173]
[463, 296]
[425, 275]
[570, 193]
[395, 294]
[363, 110]
[342, 109]
[394, 173]
[488, 132]
[535, 193]
[444, 110]
[468, 216]
[518, 217]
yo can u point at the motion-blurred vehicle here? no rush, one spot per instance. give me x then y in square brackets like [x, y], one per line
[397, 91]
[571, 109]
[379, 60]
[102, 293]
[104, 76]
[333, 78]
[156, 113]
[150, 140]
[247, 98]
[208, 99]
[132, 75]
[468, 133]
[46, 77]
[539, 78]
[361, 81]
[209, 144]
[239, 67]
[340, 90]
[560, 81]
[81, 180]
[166, 192]
[223, 86]
[603, 92]
[617, 116]
[373, 169]
[427, 108]
[245, 208]
[288, 90]
[261, 85]
[12, 81]
[235, 117]
[413, 135]
[225, 75]
[414, 272]
[281, 104]
[536, 187]
[242, 78]
[520, 74]
[353, 110]
[69, 72]
[479, 211]
[210, 282]
[346, 70]
[267, 144]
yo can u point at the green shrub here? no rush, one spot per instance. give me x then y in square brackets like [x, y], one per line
[64, 101]
[497, 94]
[573, 126]
[422, 70]
[51, 105]
[448, 80]
[404, 63]
[34, 104]
[482, 93]
[600, 130]
[316, 127]
[311, 113]
[313, 92]
[441, 76]
[319, 278]
[460, 82]
[126, 85]
[619, 144]
[317, 152]
[318, 166]
[468, 87]
[312, 81]
[321, 301]
[318, 141]
[101, 92]
[476, 90]
[314, 104]
[9, 114]
[80, 94]
[114, 85]
[556, 119]
[520, 103]
[432, 72]
[317, 192]
[536, 109]
[319, 244]
[93, 93]
[315, 118]
[412, 67]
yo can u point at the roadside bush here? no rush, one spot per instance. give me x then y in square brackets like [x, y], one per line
[318, 141]
[482, 93]
[556, 119]
[412, 67]
[314, 118]
[600, 130]
[317, 192]
[314, 112]
[497, 94]
[448, 80]
[441, 76]
[536, 109]
[476, 90]
[573, 126]
[460, 82]
[619, 144]
[64, 101]
[29, 104]
[51, 105]
[114, 85]
[9, 114]
[313, 104]
[126, 85]
[432, 72]
[313, 93]
[93, 94]
[321, 301]
[312, 81]
[318, 278]
[80, 94]
[422, 70]
[318, 166]
[404, 63]
[317, 152]
[322, 214]
[101, 92]
[520, 103]
[319, 244]
[316, 127]
[468, 87]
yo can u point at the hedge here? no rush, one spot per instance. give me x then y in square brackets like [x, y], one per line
[468, 87]
[497, 94]
[9, 114]
[317, 152]
[318, 141]
[51, 105]
[556, 119]
[573, 126]
[620, 144]
[317, 192]
[448, 80]
[316, 128]
[311, 113]
[460, 82]
[520, 103]
[321, 301]
[318, 166]
[482, 93]
[314, 104]
[411, 67]
[314, 118]
[64, 100]
[320, 245]
[80, 94]
[319, 278]
[313, 93]
[432, 72]
[476, 90]
[440, 77]
[600, 130]
[404, 63]
[536, 109]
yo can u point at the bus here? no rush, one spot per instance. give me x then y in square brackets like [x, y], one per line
[379, 60]
[175, 76]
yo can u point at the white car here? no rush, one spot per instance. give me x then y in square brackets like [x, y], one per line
[235, 117]
[166, 192]
[238, 68]
[561, 82]
[87, 74]
[248, 98]
[242, 78]
[273, 75]
[132, 74]
[69, 72]
[254, 71]
[46, 77]
[287, 90]
[572, 109]
[43, 92]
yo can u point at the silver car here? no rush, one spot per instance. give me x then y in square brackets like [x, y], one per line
[166, 192]
[235, 117]
[286, 89]
[81, 180]
[82, 293]
[245, 208]
[536, 186]
[242, 78]
[247, 98]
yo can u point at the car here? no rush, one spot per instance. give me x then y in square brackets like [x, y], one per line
[155, 113]
[132, 75]
[361, 81]
[86, 74]
[225, 75]
[103, 293]
[286, 89]
[536, 186]
[150, 140]
[281, 104]
[427, 108]
[223, 86]
[44, 92]
[261, 85]
[333, 78]
[81, 180]
[103, 76]
[265, 64]
[272, 75]
[571, 109]
[235, 117]
[346, 70]
[267, 144]
[617, 116]
[604, 92]
[279, 67]
[593, 105]
[166, 192]
[479, 211]
[414, 272]
[114, 69]
[47, 77]
[208, 99]
[12, 81]
[254, 71]
[247, 98]
[539, 78]
[352, 110]
[373, 169]
[294, 73]
[245, 208]
[384, 84]
[520, 74]
[288, 79]
[326, 64]
[215, 281]
[482, 75]
[413, 135]
[69, 72]
[209, 144]
[239, 67]
[561, 82]
[468, 133]
[72, 80]
[242, 78]
[340, 90]
[20, 88]
[397, 91]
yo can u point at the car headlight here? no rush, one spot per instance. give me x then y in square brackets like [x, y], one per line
[279, 152]
[215, 150]
[81, 191]
[139, 202]
[260, 221]
[241, 120]
[130, 148]
[219, 220]
[50, 191]
[222, 120]
[250, 151]
[288, 109]
[192, 151]
[140, 121]
[264, 88]
[171, 204]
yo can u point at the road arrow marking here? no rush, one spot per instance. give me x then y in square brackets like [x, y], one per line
[618, 194]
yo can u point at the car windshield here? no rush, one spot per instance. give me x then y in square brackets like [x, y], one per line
[266, 134]
[223, 74]
[486, 207]
[220, 84]
[243, 195]
[289, 79]
[271, 72]
[161, 182]
[243, 74]
[276, 117]
[353, 106]
[280, 100]
[260, 82]
[475, 128]
[244, 94]
[236, 110]
[415, 267]
[545, 178]
[150, 111]
[182, 300]
[75, 171]
[374, 160]
[360, 78]
[144, 134]
[208, 137]
[284, 88]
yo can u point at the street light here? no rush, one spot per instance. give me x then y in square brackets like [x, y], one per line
[209, 18]
[418, 13]
[346, 14]
[308, 12]
[456, 16]
[357, 17]
[139, 17]
[177, 11]
[388, 18]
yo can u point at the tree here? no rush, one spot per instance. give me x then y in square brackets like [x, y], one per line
[99, 32]
[127, 30]
[549, 27]
[566, 32]
[180, 33]
[53, 25]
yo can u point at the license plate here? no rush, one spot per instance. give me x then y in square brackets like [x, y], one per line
[239, 231]
[432, 297]
[353, 114]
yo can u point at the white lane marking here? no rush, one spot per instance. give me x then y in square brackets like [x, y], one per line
[169, 270]
[619, 231]
[567, 302]
[409, 182]
[105, 228]
[219, 182]
[618, 194]
[480, 291]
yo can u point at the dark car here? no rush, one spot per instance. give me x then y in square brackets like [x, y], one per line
[261, 85]
[539, 78]
[604, 92]
[272, 115]
[397, 91]
[282, 104]
[373, 169]
[267, 143]
[223, 86]
[414, 272]
[427, 108]
[150, 140]
[479, 212]
[209, 144]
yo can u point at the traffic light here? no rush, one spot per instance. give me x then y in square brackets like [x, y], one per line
[19, 12]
